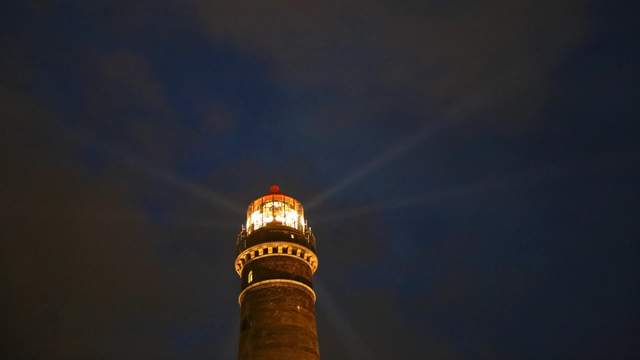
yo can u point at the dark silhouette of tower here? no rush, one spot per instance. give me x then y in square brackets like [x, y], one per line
[276, 261]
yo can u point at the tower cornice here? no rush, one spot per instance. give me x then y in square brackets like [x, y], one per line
[277, 248]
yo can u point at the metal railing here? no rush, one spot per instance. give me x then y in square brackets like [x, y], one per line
[308, 236]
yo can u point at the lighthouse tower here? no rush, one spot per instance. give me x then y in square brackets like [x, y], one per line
[276, 260]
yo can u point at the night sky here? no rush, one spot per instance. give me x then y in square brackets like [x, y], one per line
[470, 169]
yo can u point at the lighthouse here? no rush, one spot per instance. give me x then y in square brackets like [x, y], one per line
[276, 260]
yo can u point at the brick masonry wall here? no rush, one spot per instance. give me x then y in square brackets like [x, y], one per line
[278, 322]
[277, 267]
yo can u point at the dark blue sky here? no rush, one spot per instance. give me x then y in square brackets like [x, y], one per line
[469, 168]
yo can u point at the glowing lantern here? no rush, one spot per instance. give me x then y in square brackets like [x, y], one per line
[277, 209]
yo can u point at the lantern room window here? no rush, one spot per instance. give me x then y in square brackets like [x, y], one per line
[275, 209]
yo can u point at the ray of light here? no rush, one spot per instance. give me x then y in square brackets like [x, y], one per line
[196, 190]
[435, 196]
[352, 341]
[431, 197]
[86, 137]
[449, 118]
[204, 224]
[529, 177]
[377, 162]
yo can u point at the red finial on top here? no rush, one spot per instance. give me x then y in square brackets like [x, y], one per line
[274, 189]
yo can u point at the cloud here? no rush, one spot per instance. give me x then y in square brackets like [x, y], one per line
[392, 71]
[131, 115]
[416, 57]
[84, 275]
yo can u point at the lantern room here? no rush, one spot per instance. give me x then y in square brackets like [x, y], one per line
[275, 208]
